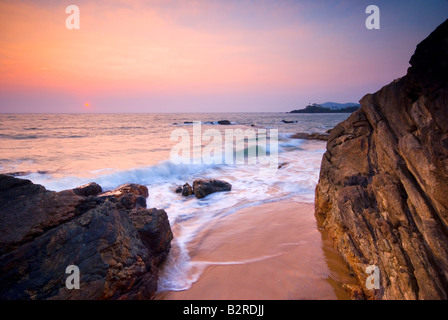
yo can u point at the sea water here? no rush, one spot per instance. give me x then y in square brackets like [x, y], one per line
[63, 151]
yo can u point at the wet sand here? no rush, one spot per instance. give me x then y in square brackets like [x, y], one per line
[271, 251]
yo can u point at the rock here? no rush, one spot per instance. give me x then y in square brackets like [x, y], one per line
[354, 291]
[287, 121]
[117, 249]
[204, 187]
[224, 122]
[90, 189]
[27, 210]
[179, 189]
[187, 190]
[282, 165]
[19, 173]
[382, 189]
[130, 195]
[310, 136]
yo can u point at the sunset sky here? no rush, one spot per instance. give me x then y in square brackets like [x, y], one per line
[203, 56]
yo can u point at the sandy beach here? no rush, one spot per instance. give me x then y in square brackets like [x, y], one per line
[271, 251]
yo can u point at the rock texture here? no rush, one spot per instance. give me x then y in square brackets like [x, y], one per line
[382, 192]
[115, 241]
[187, 190]
[204, 187]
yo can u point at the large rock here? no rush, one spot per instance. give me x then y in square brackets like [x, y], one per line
[117, 246]
[204, 187]
[382, 191]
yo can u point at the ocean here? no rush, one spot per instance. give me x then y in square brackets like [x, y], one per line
[63, 151]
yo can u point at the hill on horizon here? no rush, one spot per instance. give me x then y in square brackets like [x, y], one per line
[335, 105]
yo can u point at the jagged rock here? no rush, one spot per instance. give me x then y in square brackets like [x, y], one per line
[90, 189]
[354, 291]
[383, 183]
[204, 187]
[117, 249]
[27, 210]
[187, 190]
[130, 195]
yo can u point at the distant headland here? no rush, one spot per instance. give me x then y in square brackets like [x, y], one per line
[329, 107]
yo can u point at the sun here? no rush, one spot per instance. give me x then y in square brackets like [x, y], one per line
[86, 105]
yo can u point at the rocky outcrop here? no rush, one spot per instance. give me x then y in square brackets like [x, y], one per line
[204, 187]
[115, 241]
[382, 191]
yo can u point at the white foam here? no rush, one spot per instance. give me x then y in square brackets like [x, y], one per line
[190, 216]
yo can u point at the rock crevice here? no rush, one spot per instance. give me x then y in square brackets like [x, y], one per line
[112, 238]
[383, 183]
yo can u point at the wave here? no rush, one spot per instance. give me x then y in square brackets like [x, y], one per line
[183, 273]
[162, 172]
[18, 137]
[32, 137]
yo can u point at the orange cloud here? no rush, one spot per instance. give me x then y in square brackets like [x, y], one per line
[136, 47]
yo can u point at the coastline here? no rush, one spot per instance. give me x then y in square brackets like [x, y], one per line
[285, 257]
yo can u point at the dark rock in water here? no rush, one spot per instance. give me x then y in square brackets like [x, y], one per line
[224, 122]
[310, 136]
[187, 190]
[382, 191]
[204, 187]
[188, 122]
[282, 165]
[117, 247]
[179, 189]
[287, 121]
[90, 189]
[19, 173]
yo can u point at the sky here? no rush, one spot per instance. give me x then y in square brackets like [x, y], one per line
[203, 56]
